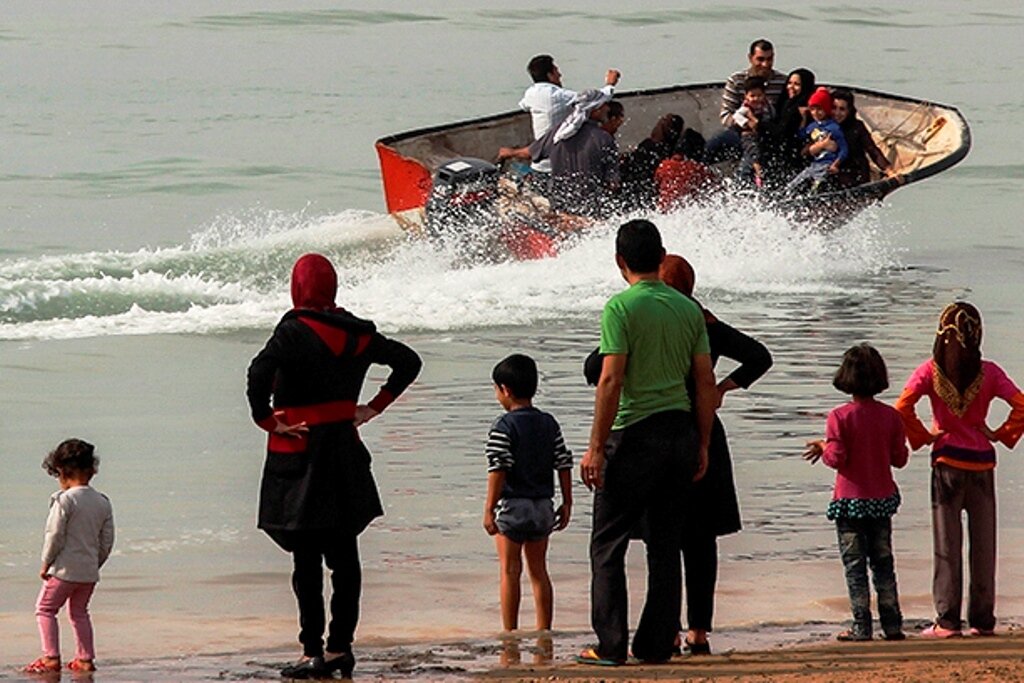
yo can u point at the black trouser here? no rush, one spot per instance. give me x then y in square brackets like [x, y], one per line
[649, 465]
[700, 565]
[340, 551]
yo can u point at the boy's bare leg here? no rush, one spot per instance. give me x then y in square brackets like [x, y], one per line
[543, 594]
[511, 563]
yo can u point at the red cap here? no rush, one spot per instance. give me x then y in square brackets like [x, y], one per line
[821, 98]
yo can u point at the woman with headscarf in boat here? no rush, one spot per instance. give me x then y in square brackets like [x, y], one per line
[960, 386]
[318, 493]
[854, 170]
[637, 168]
[712, 508]
[790, 117]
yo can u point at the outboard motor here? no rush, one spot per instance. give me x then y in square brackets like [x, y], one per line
[463, 204]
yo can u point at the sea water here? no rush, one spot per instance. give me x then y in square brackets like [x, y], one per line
[163, 166]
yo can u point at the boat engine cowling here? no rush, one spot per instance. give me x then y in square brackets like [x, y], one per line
[464, 200]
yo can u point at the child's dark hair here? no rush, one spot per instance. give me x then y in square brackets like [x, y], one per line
[518, 374]
[72, 455]
[862, 372]
[755, 83]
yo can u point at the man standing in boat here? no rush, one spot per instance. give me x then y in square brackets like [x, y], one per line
[726, 144]
[549, 103]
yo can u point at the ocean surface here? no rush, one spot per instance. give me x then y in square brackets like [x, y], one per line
[163, 164]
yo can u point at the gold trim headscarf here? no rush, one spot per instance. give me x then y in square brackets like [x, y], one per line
[956, 371]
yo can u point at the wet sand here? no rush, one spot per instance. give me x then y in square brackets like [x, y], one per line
[973, 659]
[804, 653]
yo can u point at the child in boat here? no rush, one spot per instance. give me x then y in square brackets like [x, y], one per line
[826, 144]
[752, 121]
[864, 439]
[79, 537]
[961, 386]
[523, 448]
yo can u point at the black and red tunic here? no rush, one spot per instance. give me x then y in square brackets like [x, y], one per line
[314, 366]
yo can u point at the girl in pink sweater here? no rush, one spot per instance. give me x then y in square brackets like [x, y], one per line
[864, 439]
[960, 387]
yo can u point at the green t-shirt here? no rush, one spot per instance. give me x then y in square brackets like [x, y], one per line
[660, 331]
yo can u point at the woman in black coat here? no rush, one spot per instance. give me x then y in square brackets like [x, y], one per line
[712, 505]
[317, 493]
[790, 117]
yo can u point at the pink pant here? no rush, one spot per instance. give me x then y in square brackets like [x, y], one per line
[51, 598]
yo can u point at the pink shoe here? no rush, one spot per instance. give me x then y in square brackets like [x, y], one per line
[936, 631]
[983, 632]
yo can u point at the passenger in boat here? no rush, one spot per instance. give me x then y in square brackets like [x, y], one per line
[726, 144]
[584, 158]
[753, 122]
[614, 118]
[855, 170]
[683, 176]
[548, 102]
[826, 144]
[638, 166]
[791, 116]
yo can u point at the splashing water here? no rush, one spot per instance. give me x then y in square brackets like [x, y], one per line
[233, 274]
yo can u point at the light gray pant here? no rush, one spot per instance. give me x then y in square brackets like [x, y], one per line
[953, 491]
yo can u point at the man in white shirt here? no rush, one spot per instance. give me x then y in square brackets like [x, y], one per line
[548, 102]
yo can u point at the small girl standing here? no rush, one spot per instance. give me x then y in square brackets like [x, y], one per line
[864, 439]
[960, 387]
[79, 537]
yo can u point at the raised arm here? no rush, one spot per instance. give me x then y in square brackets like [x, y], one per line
[753, 357]
[405, 365]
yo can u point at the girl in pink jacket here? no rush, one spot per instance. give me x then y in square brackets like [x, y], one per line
[864, 439]
[961, 386]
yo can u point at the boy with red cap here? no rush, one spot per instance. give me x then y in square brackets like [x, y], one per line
[826, 144]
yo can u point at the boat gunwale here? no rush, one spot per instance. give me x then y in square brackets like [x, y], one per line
[875, 189]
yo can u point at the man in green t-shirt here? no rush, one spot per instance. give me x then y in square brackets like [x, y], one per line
[646, 445]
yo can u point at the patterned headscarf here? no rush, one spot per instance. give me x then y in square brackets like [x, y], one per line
[585, 102]
[956, 355]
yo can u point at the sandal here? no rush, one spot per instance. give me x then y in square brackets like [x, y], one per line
[850, 636]
[43, 665]
[590, 656]
[81, 665]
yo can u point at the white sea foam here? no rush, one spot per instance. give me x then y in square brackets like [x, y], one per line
[234, 273]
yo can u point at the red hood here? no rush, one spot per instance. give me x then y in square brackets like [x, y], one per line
[314, 283]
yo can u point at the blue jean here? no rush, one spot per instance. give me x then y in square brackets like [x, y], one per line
[864, 542]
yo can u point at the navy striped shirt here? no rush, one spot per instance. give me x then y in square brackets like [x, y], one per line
[527, 445]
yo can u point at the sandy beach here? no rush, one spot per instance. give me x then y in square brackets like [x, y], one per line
[973, 659]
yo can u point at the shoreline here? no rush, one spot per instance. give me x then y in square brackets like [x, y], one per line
[799, 652]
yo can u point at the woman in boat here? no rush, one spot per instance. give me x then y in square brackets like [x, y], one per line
[318, 494]
[712, 500]
[637, 168]
[790, 118]
[854, 170]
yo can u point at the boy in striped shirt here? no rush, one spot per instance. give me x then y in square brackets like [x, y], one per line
[524, 447]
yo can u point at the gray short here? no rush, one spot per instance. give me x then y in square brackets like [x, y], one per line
[525, 519]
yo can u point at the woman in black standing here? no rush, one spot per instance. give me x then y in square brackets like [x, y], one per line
[318, 493]
[712, 508]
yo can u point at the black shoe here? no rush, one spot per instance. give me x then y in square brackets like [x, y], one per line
[697, 648]
[345, 663]
[306, 669]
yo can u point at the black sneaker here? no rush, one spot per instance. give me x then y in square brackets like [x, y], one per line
[345, 663]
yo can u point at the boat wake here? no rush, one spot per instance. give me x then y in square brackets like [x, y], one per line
[234, 273]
